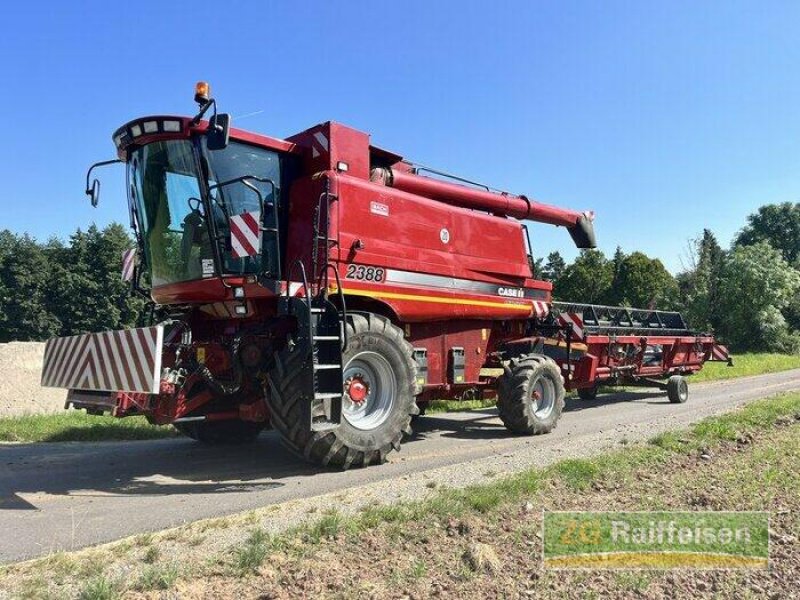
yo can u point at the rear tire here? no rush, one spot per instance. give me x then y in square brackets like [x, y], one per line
[379, 355]
[677, 389]
[220, 432]
[530, 396]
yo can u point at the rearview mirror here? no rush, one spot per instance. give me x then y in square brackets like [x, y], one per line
[219, 130]
[93, 188]
[94, 192]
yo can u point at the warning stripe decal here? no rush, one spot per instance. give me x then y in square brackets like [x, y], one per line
[719, 352]
[245, 234]
[111, 361]
[573, 319]
[540, 309]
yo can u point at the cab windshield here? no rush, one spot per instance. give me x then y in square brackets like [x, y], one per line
[174, 220]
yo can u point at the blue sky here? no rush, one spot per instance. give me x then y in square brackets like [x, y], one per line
[662, 117]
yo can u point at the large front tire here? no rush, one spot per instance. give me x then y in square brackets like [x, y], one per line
[530, 396]
[379, 361]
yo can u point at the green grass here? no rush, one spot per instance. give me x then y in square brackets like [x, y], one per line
[440, 406]
[100, 588]
[76, 425]
[250, 555]
[157, 577]
[745, 365]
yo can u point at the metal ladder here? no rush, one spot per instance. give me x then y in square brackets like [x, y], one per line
[321, 333]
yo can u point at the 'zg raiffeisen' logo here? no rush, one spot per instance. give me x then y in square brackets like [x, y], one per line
[656, 540]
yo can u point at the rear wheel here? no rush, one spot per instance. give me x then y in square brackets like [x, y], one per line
[677, 389]
[379, 377]
[530, 395]
[220, 432]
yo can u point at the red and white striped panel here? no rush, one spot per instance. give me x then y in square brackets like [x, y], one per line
[128, 263]
[246, 234]
[540, 309]
[719, 352]
[576, 322]
[112, 361]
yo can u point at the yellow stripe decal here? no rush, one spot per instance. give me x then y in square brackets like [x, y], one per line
[434, 299]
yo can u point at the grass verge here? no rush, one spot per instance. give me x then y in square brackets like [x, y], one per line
[77, 426]
[451, 543]
[745, 365]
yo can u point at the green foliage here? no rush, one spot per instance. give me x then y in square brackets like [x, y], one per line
[749, 297]
[630, 280]
[25, 287]
[54, 289]
[701, 286]
[587, 279]
[553, 268]
[756, 284]
[642, 282]
[777, 224]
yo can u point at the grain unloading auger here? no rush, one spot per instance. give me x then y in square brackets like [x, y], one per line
[331, 289]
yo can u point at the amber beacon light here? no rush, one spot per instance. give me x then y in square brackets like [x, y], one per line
[201, 92]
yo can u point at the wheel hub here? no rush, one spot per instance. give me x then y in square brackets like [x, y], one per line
[357, 389]
[370, 387]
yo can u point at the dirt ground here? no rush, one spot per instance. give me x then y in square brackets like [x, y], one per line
[20, 392]
[497, 555]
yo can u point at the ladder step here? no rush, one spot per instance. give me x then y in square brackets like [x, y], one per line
[326, 395]
[326, 338]
[330, 366]
[317, 310]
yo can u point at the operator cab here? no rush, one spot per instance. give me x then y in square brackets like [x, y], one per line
[205, 202]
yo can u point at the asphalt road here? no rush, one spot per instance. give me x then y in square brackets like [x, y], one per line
[69, 495]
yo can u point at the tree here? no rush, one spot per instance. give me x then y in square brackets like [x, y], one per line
[615, 294]
[701, 283]
[756, 284]
[778, 224]
[644, 282]
[56, 289]
[553, 268]
[26, 281]
[587, 279]
[92, 295]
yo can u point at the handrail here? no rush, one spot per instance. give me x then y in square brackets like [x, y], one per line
[275, 191]
[340, 294]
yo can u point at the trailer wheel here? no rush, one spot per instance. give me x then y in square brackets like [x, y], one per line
[220, 432]
[380, 362]
[530, 396]
[589, 393]
[677, 389]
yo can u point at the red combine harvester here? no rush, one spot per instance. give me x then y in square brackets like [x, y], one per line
[331, 289]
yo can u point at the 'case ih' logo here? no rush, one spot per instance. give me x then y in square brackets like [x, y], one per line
[511, 292]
